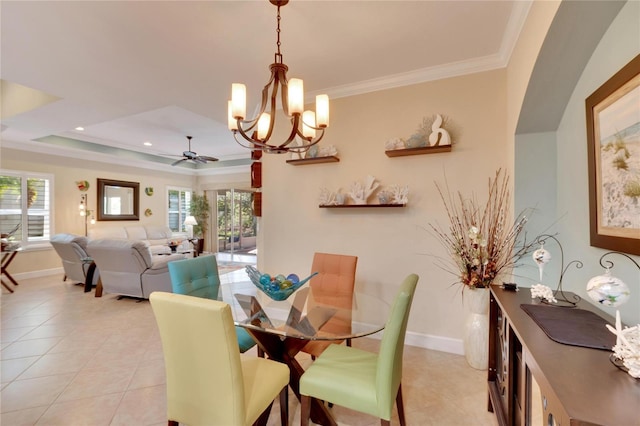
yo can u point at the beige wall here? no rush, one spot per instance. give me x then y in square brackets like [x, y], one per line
[66, 172]
[392, 242]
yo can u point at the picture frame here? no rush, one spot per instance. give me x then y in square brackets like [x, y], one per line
[613, 151]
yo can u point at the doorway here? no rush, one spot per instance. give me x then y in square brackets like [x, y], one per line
[237, 226]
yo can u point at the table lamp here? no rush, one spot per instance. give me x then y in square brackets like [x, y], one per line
[189, 222]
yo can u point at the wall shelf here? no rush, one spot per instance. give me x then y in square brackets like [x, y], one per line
[418, 151]
[315, 160]
[348, 206]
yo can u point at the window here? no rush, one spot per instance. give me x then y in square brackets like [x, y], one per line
[25, 206]
[179, 207]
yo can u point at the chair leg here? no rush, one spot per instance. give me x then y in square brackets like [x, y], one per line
[172, 423]
[264, 417]
[260, 352]
[305, 410]
[348, 342]
[384, 422]
[400, 406]
[284, 406]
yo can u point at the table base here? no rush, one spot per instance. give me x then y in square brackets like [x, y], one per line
[284, 349]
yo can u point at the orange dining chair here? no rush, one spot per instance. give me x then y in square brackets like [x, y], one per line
[333, 286]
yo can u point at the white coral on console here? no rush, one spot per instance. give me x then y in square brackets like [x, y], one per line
[543, 292]
[627, 347]
[360, 192]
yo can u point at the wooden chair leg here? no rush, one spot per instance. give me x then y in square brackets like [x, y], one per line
[348, 342]
[305, 410]
[284, 406]
[384, 422]
[260, 352]
[264, 417]
[172, 423]
[400, 406]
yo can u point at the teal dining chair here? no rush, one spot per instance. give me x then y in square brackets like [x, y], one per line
[199, 277]
[360, 380]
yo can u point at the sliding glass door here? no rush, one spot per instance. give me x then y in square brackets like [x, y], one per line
[237, 226]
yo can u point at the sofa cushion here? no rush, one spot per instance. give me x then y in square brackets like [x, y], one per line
[118, 233]
[136, 233]
[158, 233]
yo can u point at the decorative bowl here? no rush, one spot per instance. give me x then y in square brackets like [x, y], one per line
[278, 287]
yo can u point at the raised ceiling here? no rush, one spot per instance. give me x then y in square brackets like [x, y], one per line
[131, 72]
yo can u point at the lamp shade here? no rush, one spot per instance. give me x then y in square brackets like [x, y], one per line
[190, 220]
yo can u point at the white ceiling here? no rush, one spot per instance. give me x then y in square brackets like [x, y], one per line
[136, 71]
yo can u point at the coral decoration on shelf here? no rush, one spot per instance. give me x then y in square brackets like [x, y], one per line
[360, 192]
[430, 133]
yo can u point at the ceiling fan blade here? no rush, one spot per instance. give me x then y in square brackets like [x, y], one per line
[175, 163]
[206, 157]
[199, 159]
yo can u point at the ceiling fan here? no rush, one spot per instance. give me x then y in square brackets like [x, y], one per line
[190, 155]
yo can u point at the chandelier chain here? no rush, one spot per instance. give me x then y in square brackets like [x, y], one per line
[279, 55]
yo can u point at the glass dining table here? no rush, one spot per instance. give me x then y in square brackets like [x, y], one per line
[282, 328]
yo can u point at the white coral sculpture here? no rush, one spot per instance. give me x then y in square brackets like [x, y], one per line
[543, 292]
[439, 136]
[327, 151]
[395, 143]
[327, 198]
[399, 194]
[359, 192]
[627, 346]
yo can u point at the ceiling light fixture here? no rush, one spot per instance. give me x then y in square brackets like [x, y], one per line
[80, 129]
[147, 144]
[256, 132]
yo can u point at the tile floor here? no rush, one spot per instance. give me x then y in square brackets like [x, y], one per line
[70, 358]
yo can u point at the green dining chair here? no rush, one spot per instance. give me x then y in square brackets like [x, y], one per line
[208, 381]
[360, 380]
[199, 277]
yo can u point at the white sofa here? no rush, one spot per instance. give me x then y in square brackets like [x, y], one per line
[127, 267]
[157, 237]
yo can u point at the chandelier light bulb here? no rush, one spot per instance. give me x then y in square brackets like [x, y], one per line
[239, 101]
[296, 96]
[308, 124]
[322, 111]
[263, 125]
[232, 123]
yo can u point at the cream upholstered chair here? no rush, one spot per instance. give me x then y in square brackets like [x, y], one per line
[127, 267]
[333, 286]
[208, 381]
[72, 249]
[362, 380]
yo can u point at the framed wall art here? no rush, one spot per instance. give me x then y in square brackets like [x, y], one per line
[613, 142]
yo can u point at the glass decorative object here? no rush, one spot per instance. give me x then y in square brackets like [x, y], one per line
[608, 290]
[278, 287]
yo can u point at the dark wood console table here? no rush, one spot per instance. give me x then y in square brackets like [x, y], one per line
[534, 380]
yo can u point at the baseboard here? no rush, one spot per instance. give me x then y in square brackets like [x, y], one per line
[425, 341]
[37, 274]
[436, 343]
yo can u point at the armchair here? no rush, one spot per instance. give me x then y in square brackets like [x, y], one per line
[127, 267]
[72, 249]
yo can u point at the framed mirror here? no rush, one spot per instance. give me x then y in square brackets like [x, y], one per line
[118, 200]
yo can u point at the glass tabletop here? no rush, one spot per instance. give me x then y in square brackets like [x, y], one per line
[301, 316]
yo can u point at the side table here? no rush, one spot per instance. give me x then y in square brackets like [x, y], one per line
[89, 278]
[7, 258]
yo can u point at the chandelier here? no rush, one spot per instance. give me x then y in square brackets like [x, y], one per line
[255, 133]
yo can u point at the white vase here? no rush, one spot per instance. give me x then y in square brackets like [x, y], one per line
[476, 333]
